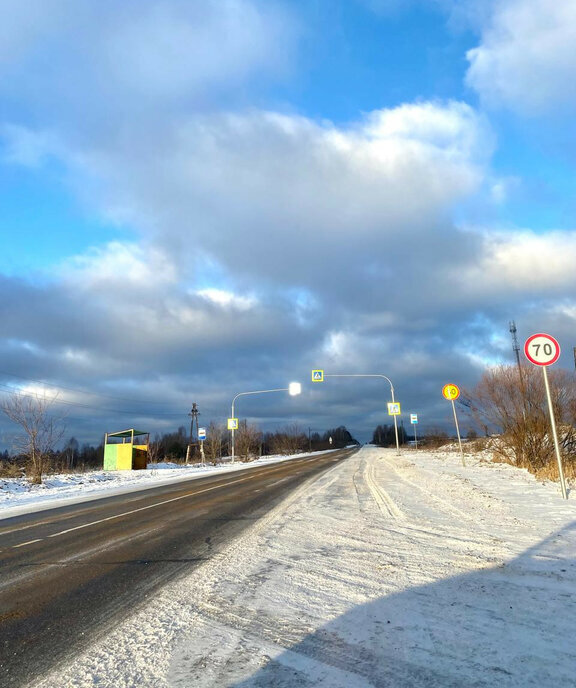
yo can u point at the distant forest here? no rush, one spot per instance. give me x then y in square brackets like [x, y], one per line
[173, 447]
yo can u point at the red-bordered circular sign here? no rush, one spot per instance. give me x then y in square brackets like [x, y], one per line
[451, 391]
[542, 349]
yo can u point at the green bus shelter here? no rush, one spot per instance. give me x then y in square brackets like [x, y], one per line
[126, 450]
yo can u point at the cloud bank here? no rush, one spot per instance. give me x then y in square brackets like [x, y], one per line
[256, 243]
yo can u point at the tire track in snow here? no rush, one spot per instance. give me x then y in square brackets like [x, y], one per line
[384, 501]
[449, 508]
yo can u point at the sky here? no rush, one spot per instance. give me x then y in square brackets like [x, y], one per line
[205, 197]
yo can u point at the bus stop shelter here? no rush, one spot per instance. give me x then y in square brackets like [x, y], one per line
[126, 450]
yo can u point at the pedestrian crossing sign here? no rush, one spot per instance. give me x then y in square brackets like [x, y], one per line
[232, 423]
[317, 376]
[393, 408]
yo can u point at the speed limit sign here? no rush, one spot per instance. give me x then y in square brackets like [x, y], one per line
[542, 349]
[450, 392]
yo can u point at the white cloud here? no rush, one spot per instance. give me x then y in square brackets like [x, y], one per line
[526, 262]
[227, 299]
[96, 66]
[502, 188]
[118, 267]
[272, 197]
[174, 49]
[525, 60]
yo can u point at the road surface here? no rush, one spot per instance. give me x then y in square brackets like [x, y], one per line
[70, 574]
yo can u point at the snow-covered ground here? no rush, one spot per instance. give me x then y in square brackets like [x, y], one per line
[400, 571]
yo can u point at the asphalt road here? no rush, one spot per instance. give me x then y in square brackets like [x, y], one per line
[70, 574]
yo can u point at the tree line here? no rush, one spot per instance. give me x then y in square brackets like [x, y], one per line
[249, 442]
[38, 447]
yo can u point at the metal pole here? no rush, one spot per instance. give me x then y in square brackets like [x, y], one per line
[232, 429]
[242, 394]
[415, 436]
[458, 432]
[555, 434]
[391, 391]
[395, 422]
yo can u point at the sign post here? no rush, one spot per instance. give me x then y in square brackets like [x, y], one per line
[543, 350]
[452, 392]
[319, 375]
[414, 421]
[202, 437]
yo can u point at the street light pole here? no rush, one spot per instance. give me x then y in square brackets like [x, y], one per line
[391, 392]
[293, 389]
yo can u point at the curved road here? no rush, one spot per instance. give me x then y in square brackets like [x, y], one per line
[67, 575]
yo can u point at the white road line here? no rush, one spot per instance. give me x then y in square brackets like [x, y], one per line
[30, 542]
[127, 513]
[143, 508]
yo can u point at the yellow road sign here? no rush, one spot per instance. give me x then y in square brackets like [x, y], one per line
[317, 376]
[393, 408]
[451, 392]
[232, 423]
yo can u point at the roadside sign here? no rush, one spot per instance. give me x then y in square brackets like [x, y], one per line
[542, 349]
[451, 392]
[393, 408]
[232, 423]
[201, 433]
[414, 418]
[317, 376]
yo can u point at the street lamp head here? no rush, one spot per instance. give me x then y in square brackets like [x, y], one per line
[294, 388]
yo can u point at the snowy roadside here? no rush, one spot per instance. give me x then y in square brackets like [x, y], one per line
[17, 496]
[408, 571]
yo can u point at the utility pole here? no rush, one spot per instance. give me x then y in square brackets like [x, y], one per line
[194, 413]
[516, 350]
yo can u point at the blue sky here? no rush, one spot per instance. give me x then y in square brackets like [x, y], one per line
[197, 198]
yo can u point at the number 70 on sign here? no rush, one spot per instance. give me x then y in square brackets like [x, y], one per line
[542, 349]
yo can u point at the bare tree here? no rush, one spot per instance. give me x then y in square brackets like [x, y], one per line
[155, 450]
[288, 440]
[214, 442]
[518, 410]
[41, 432]
[247, 441]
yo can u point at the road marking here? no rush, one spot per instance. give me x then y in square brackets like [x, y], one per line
[145, 508]
[30, 542]
[151, 506]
